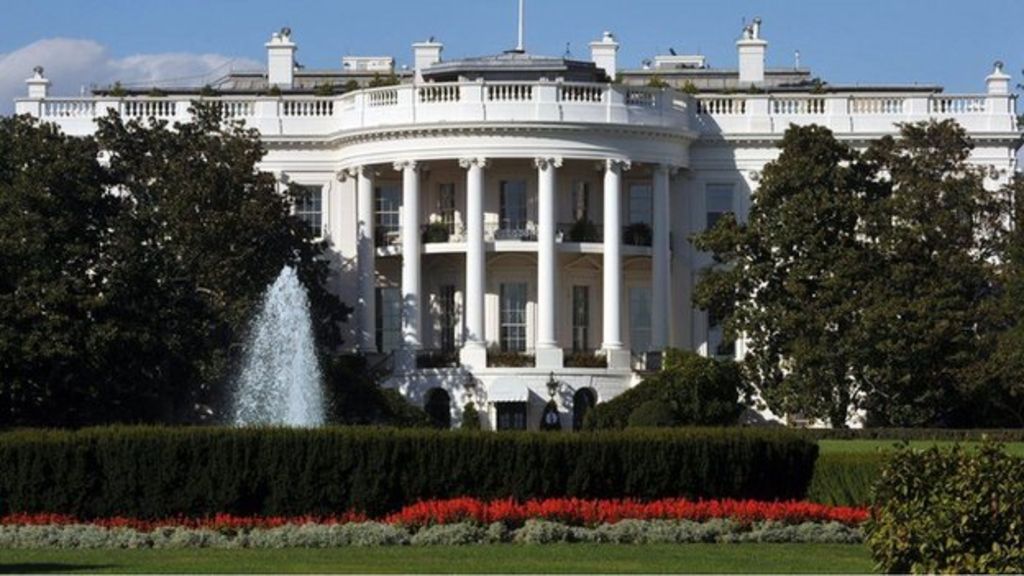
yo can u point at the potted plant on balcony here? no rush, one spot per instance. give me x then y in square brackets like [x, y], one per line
[324, 90]
[637, 234]
[583, 230]
[435, 233]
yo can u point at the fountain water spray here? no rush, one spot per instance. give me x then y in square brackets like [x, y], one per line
[280, 381]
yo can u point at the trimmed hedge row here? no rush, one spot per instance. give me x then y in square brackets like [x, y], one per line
[162, 472]
[845, 479]
[909, 434]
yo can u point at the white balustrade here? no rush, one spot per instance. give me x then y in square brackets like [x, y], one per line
[641, 97]
[797, 106]
[508, 92]
[439, 93]
[953, 104]
[318, 107]
[877, 105]
[154, 108]
[69, 108]
[721, 106]
[237, 108]
[586, 93]
[383, 97]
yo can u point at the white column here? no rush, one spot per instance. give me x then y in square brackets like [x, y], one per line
[617, 356]
[661, 259]
[411, 280]
[367, 257]
[474, 347]
[548, 353]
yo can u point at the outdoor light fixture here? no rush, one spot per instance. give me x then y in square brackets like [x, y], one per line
[552, 385]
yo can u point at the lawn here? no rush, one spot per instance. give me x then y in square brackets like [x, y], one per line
[506, 558]
[869, 446]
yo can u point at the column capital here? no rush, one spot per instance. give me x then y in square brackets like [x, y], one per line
[479, 162]
[668, 169]
[545, 162]
[402, 165]
[614, 164]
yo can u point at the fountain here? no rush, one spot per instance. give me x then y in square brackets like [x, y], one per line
[280, 381]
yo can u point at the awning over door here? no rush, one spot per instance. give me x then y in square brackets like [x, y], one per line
[508, 390]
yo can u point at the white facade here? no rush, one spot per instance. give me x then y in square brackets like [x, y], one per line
[456, 209]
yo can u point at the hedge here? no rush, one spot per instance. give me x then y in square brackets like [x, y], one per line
[910, 434]
[845, 479]
[162, 472]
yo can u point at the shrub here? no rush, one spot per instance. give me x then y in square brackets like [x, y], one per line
[435, 232]
[845, 479]
[637, 234]
[583, 230]
[952, 511]
[470, 417]
[151, 473]
[698, 391]
[508, 358]
[585, 360]
[652, 414]
[354, 397]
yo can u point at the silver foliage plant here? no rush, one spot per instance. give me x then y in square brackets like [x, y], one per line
[81, 536]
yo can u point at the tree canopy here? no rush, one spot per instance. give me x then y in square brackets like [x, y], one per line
[870, 280]
[131, 263]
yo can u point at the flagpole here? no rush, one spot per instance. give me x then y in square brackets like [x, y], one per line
[519, 46]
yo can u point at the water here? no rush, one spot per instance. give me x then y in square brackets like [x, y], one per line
[280, 381]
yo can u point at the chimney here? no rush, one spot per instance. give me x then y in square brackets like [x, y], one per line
[38, 85]
[281, 59]
[603, 53]
[425, 54]
[998, 82]
[751, 50]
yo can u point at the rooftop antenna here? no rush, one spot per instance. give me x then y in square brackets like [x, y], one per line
[519, 45]
[796, 57]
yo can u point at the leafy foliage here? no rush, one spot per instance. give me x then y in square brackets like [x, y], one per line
[949, 511]
[691, 390]
[150, 473]
[861, 280]
[127, 285]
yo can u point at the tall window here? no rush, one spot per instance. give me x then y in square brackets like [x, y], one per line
[513, 317]
[640, 318]
[511, 415]
[309, 209]
[580, 318]
[389, 202]
[718, 345]
[389, 319]
[580, 200]
[448, 321]
[446, 205]
[513, 204]
[718, 202]
[641, 204]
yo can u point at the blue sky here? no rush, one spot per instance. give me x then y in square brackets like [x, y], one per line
[952, 43]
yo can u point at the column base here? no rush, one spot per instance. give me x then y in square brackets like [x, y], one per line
[473, 357]
[618, 358]
[548, 357]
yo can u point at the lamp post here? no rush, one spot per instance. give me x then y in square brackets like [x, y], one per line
[553, 385]
[551, 420]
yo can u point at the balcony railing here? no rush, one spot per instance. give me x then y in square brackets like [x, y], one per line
[406, 104]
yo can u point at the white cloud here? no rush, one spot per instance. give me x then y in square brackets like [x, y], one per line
[72, 64]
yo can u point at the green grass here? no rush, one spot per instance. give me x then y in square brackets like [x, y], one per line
[871, 446]
[506, 558]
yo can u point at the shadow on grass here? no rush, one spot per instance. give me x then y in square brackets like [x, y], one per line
[49, 567]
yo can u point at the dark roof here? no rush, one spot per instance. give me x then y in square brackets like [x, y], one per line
[515, 65]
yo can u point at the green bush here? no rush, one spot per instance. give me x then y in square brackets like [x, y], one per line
[698, 391]
[354, 397]
[470, 417]
[583, 230]
[845, 479]
[951, 511]
[910, 434]
[652, 414]
[164, 472]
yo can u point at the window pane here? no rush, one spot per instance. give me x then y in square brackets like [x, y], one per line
[389, 319]
[641, 204]
[640, 318]
[448, 320]
[309, 209]
[580, 318]
[446, 205]
[580, 200]
[389, 202]
[513, 204]
[718, 202]
[513, 317]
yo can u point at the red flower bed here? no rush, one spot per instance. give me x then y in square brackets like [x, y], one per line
[592, 512]
[565, 510]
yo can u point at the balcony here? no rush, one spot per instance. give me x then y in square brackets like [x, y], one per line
[403, 105]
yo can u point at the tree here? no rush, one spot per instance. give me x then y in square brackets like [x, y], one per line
[786, 278]
[861, 280]
[128, 286]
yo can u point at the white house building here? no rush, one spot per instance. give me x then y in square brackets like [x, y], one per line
[514, 228]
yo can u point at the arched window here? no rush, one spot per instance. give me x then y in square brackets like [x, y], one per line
[438, 408]
[582, 401]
